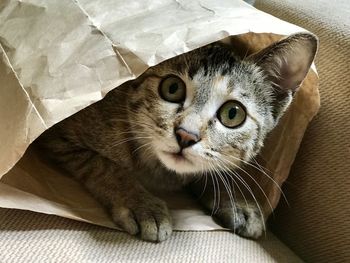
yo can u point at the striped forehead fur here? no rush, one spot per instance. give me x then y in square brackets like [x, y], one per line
[213, 75]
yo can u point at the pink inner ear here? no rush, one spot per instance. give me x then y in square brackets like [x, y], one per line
[293, 71]
[287, 62]
[294, 67]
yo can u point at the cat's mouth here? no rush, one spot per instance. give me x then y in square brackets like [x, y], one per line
[179, 161]
[178, 157]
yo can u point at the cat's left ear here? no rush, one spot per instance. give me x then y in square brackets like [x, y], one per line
[287, 62]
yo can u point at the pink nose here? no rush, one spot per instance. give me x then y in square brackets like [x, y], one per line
[185, 139]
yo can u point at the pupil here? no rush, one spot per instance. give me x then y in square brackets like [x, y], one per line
[173, 88]
[232, 113]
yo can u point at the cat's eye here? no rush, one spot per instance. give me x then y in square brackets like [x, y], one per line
[172, 89]
[232, 114]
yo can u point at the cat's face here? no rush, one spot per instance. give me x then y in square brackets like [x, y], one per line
[205, 110]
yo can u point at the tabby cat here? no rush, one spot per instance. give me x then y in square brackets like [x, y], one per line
[202, 113]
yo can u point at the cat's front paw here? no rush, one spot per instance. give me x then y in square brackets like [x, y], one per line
[145, 215]
[245, 220]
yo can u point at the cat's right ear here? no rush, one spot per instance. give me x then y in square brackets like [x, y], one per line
[287, 62]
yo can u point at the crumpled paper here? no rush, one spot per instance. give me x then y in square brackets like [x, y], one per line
[58, 57]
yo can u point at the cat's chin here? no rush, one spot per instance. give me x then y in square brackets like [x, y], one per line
[178, 163]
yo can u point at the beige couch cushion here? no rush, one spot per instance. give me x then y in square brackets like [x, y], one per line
[317, 225]
[32, 237]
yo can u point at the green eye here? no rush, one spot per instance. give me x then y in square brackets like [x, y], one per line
[232, 114]
[172, 89]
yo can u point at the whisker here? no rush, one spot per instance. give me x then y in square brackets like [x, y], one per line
[250, 191]
[229, 173]
[133, 132]
[268, 200]
[218, 173]
[133, 123]
[117, 143]
[219, 192]
[270, 177]
[263, 171]
[229, 192]
[259, 165]
[204, 173]
[214, 193]
[140, 147]
[255, 181]
[149, 149]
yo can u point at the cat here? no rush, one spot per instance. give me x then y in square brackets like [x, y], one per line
[201, 113]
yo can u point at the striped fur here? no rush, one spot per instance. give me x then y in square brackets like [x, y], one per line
[119, 147]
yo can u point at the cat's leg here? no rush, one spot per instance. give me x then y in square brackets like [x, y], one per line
[233, 211]
[131, 206]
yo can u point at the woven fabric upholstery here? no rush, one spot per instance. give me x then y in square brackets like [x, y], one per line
[317, 223]
[32, 237]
